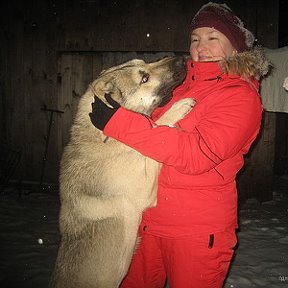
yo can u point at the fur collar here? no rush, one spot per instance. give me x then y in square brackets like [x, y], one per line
[247, 64]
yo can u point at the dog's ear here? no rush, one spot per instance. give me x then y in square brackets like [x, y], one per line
[101, 87]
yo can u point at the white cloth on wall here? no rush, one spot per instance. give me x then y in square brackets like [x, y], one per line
[273, 92]
[285, 84]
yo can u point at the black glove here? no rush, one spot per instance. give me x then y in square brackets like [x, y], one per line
[101, 113]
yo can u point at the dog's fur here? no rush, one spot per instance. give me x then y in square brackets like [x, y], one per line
[105, 185]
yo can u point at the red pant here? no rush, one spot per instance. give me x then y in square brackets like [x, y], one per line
[194, 262]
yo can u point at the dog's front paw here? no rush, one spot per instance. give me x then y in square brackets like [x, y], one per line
[177, 112]
[183, 106]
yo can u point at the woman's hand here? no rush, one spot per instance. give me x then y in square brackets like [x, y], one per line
[101, 113]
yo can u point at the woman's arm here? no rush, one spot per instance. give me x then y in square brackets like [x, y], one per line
[226, 129]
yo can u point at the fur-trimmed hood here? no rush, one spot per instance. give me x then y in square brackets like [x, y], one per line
[247, 64]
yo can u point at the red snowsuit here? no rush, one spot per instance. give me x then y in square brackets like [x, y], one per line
[197, 194]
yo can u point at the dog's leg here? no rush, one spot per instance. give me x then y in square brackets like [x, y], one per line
[177, 112]
[94, 208]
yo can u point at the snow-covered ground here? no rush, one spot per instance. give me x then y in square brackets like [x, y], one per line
[29, 238]
[261, 259]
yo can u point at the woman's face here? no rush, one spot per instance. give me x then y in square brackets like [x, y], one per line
[209, 44]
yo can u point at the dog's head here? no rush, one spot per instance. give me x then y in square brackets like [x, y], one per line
[140, 86]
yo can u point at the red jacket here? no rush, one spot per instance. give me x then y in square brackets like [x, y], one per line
[197, 192]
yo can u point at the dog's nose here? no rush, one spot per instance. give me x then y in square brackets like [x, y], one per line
[180, 61]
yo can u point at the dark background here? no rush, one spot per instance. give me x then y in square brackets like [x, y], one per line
[51, 50]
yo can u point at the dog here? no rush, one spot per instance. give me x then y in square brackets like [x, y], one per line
[104, 185]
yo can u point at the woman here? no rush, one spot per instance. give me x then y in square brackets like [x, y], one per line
[189, 237]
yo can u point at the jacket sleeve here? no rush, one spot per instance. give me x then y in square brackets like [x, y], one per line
[228, 127]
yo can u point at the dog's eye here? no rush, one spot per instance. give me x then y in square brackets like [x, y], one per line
[145, 78]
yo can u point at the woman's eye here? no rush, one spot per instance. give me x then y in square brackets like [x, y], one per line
[145, 78]
[213, 38]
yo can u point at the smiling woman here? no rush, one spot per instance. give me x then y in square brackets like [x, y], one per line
[190, 235]
[208, 44]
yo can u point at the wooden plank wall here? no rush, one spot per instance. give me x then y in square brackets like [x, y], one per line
[256, 179]
[48, 43]
[281, 148]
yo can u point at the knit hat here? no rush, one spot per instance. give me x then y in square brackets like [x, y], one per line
[222, 18]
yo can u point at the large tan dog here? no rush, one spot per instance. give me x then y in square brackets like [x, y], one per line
[104, 185]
